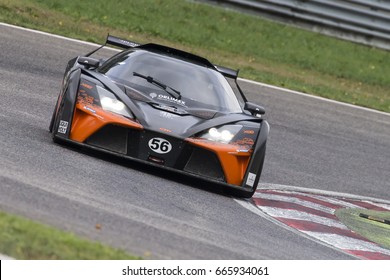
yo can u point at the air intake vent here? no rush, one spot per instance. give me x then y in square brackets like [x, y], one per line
[110, 137]
[205, 163]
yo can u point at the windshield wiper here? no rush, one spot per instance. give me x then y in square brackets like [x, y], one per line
[171, 91]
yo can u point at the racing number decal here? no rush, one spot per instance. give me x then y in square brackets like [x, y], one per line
[160, 145]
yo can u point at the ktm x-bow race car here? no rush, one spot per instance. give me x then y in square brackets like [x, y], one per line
[167, 108]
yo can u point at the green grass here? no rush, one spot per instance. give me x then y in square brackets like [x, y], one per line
[264, 51]
[24, 239]
[375, 231]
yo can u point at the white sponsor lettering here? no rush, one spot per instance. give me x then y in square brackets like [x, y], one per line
[63, 127]
[171, 99]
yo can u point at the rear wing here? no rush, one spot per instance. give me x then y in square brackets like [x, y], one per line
[117, 42]
[121, 43]
[228, 72]
[233, 74]
[126, 44]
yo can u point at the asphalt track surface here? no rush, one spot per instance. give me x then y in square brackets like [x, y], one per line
[313, 144]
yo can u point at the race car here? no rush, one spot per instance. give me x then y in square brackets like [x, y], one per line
[164, 107]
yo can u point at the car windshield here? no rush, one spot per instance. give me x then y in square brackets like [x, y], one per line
[172, 81]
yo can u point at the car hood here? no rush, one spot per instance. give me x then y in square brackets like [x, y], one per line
[187, 122]
[170, 120]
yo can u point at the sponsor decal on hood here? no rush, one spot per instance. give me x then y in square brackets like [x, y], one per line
[167, 98]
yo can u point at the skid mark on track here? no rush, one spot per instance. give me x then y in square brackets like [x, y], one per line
[313, 215]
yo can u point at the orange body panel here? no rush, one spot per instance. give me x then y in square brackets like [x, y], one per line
[88, 119]
[233, 160]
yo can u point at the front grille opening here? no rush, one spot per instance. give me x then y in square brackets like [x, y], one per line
[110, 137]
[205, 163]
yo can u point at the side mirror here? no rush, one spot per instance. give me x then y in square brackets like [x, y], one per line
[254, 109]
[88, 62]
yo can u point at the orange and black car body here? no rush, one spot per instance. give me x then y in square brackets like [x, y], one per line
[167, 108]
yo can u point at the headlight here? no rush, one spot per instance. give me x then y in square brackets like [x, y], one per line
[110, 103]
[223, 134]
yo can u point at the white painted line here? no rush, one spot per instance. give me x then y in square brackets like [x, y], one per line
[385, 206]
[337, 241]
[56, 36]
[4, 257]
[296, 200]
[315, 97]
[304, 191]
[347, 243]
[328, 199]
[335, 201]
[299, 215]
[245, 80]
[254, 209]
